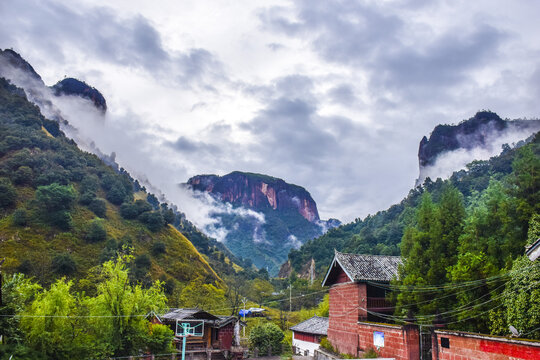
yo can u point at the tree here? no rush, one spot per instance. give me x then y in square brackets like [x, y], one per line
[153, 220]
[50, 329]
[8, 195]
[64, 264]
[121, 330]
[260, 290]
[204, 296]
[20, 217]
[265, 337]
[99, 207]
[55, 197]
[96, 231]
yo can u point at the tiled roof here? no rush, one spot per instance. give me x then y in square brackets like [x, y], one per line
[316, 325]
[366, 267]
[188, 314]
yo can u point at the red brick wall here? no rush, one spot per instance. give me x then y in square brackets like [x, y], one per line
[226, 334]
[400, 343]
[345, 302]
[466, 346]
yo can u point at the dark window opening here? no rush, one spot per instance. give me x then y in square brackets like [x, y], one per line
[445, 342]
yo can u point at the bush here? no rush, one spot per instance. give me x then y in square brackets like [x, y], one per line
[99, 207]
[325, 344]
[64, 264]
[129, 211]
[26, 267]
[60, 219]
[143, 261]
[20, 217]
[266, 336]
[153, 220]
[86, 198]
[117, 194]
[55, 197]
[8, 195]
[23, 175]
[159, 248]
[96, 232]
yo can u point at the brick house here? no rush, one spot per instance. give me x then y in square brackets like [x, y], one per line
[357, 296]
[307, 335]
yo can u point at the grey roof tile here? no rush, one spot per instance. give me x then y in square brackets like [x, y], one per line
[316, 325]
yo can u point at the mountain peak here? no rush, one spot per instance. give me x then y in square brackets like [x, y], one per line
[72, 86]
[257, 192]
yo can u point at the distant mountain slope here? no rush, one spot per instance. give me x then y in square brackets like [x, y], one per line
[482, 134]
[17, 69]
[381, 233]
[63, 211]
[283, 216]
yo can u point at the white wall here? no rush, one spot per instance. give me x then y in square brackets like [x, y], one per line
[305, 345]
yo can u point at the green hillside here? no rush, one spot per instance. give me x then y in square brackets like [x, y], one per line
[64, 212]
[381, 233]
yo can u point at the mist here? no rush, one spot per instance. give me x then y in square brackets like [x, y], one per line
[124, 137]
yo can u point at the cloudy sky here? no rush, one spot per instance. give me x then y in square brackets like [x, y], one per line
[331, 95]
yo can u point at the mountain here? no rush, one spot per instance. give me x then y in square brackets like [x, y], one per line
[270, 217]
[382, 232]
[14, 67]
[74, 87]
[18, 70]
[484, 133]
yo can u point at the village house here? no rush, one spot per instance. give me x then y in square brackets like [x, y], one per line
[357, 312]
[215, 336]
[307, 335]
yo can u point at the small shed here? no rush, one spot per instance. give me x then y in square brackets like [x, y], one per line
[307, 335]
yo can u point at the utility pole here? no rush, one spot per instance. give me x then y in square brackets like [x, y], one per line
[1, 304]
[290, 298]
[244, 300]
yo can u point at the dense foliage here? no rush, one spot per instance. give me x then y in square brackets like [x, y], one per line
[59, 323]
[266, 338]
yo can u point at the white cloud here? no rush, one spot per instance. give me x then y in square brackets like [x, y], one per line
[333, 96]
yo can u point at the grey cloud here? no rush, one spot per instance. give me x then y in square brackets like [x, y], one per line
[185, 145]
[131, 41]
[342, 94]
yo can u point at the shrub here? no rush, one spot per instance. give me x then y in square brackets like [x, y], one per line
[64, 264]
[86, 198]
[60, 219]
[55, 197]
[96, 232]
[26, 267]
[129, 211]
[153, 220]
[266, 336]
[23, 175]
[99, 207]
[143, 261]
[20, 217]
[159, 248]
[8, 195]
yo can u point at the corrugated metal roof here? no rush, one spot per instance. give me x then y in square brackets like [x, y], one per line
[316, 325]
[366, 267]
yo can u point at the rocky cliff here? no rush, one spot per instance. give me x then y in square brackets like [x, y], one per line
[258, 192]
[283, 216]
[74, 87]
[481, 135]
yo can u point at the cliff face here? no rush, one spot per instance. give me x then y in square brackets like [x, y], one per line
[258, 192]
[482, 132]
[288, 216]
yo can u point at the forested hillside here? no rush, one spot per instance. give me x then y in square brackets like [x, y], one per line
[63, 211]
[382, 232]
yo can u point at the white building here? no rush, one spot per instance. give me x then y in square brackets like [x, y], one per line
[307, 335]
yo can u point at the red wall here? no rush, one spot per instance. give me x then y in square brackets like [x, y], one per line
[401, 343]
[306, 337]
[345, 300]
[466, 346]
[226, 334]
